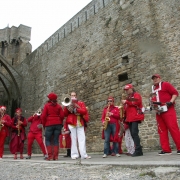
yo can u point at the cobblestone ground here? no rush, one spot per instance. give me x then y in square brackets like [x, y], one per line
[44, 171]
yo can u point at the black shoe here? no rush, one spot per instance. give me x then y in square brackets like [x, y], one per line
[29, 157]
[178, 152]
[67, 156]
[140, 153]
[165, 153]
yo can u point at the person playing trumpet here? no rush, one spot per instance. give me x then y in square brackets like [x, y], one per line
[5, 121]
[18, 135]
[75, 114]
[111, 129]
[35, 133]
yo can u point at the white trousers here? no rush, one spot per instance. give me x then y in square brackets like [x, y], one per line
[129, 142]
[78, 136]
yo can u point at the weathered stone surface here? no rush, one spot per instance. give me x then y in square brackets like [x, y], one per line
[90, 58]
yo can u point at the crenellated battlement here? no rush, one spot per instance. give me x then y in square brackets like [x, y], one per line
[9, 34]
[75, 22]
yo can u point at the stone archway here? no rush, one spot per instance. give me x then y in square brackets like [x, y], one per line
[9, 78]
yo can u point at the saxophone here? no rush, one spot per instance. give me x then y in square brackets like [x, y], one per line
[121, 111]
[19, 130]
[121, 107]
[107, 119]
[1, 124]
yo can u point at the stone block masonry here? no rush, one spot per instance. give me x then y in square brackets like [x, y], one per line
[104, 40]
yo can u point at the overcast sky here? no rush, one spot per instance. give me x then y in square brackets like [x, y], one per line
[44, 16]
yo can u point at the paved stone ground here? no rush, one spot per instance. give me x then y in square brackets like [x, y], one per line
[147, 167]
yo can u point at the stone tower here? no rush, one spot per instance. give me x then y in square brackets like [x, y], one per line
[14, 43]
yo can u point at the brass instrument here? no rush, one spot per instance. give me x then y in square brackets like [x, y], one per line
[19, 130]
[121, 111]
[107, 119]
[121, 107]
[1, 124]
[67, 102]
[38, 112]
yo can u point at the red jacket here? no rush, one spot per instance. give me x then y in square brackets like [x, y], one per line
[52, 114]
[72, 118]
[7, 124]
[166, 92]
[133, 109]
[35, 121]
[14, 123]
[115, 117]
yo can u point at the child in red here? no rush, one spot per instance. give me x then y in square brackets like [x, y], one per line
[18, 135]
[35, 133]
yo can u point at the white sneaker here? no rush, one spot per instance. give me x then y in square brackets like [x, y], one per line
[104, 156]
[73, 158]
[118, 155]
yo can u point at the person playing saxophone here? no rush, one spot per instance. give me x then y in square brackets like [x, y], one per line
[18, 135]
[111, 114]
[5, 123]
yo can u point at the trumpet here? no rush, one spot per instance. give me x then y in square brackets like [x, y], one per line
[38, 112]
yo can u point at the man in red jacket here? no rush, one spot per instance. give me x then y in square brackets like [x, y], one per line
[75, 121]
[35, 132]
[52, 118]
[5, 123]
[134, 115]
[166, 118]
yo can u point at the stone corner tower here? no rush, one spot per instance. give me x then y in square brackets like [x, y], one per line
[14, 43]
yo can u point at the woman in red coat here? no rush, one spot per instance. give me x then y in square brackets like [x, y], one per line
[52, 118]
[134, 115]
[18, 135]
[5, 123]
[112, 130]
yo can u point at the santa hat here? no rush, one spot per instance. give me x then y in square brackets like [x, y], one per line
[52, 96]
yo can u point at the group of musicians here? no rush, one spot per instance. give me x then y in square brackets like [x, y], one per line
[54, 120]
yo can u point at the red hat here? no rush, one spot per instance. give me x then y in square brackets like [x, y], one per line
[52, 96]
[3, 107]
[110, 98]
[156, 75]
[18, 109]
[128, 86]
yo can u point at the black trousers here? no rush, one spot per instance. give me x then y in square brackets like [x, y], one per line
[133, 127]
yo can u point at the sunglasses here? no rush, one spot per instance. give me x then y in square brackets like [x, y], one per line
[110, 101]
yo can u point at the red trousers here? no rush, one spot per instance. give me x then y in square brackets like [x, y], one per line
[167, 121]
[17, 142]
[2, 141]
[31, 137]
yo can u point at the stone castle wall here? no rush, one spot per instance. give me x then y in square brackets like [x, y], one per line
[105, 46]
